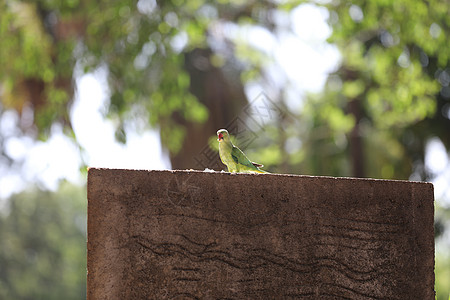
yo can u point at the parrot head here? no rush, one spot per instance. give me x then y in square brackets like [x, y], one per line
[222, 134]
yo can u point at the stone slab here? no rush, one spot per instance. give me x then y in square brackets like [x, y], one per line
[200, 235]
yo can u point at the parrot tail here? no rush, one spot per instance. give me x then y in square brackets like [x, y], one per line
[257, 165]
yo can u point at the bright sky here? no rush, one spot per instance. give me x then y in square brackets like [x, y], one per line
[96, 134]
[300, 49]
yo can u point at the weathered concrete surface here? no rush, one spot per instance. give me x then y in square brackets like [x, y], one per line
[196, 235]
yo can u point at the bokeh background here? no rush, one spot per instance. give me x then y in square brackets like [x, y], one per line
[328, 87]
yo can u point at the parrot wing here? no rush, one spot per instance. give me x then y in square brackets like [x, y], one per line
[240, 158]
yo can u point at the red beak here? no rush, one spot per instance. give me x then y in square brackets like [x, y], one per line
[220, 136]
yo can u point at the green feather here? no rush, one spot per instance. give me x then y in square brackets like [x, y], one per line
[233, 157]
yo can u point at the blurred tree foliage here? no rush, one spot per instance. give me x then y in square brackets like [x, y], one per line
[442, 274]
[171, 64]
[442, 257]
[390, 94]
[168, 62]
[43, 245]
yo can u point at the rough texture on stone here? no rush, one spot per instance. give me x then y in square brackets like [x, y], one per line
[198, 235]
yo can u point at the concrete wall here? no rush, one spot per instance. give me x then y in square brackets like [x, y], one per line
[197, 235]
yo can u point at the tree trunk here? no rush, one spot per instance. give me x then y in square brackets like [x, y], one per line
[223, 96]
[356, 141]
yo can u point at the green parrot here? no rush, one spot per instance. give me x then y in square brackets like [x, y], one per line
[233, 157]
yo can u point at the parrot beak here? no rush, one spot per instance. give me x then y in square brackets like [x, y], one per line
[220, 137]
